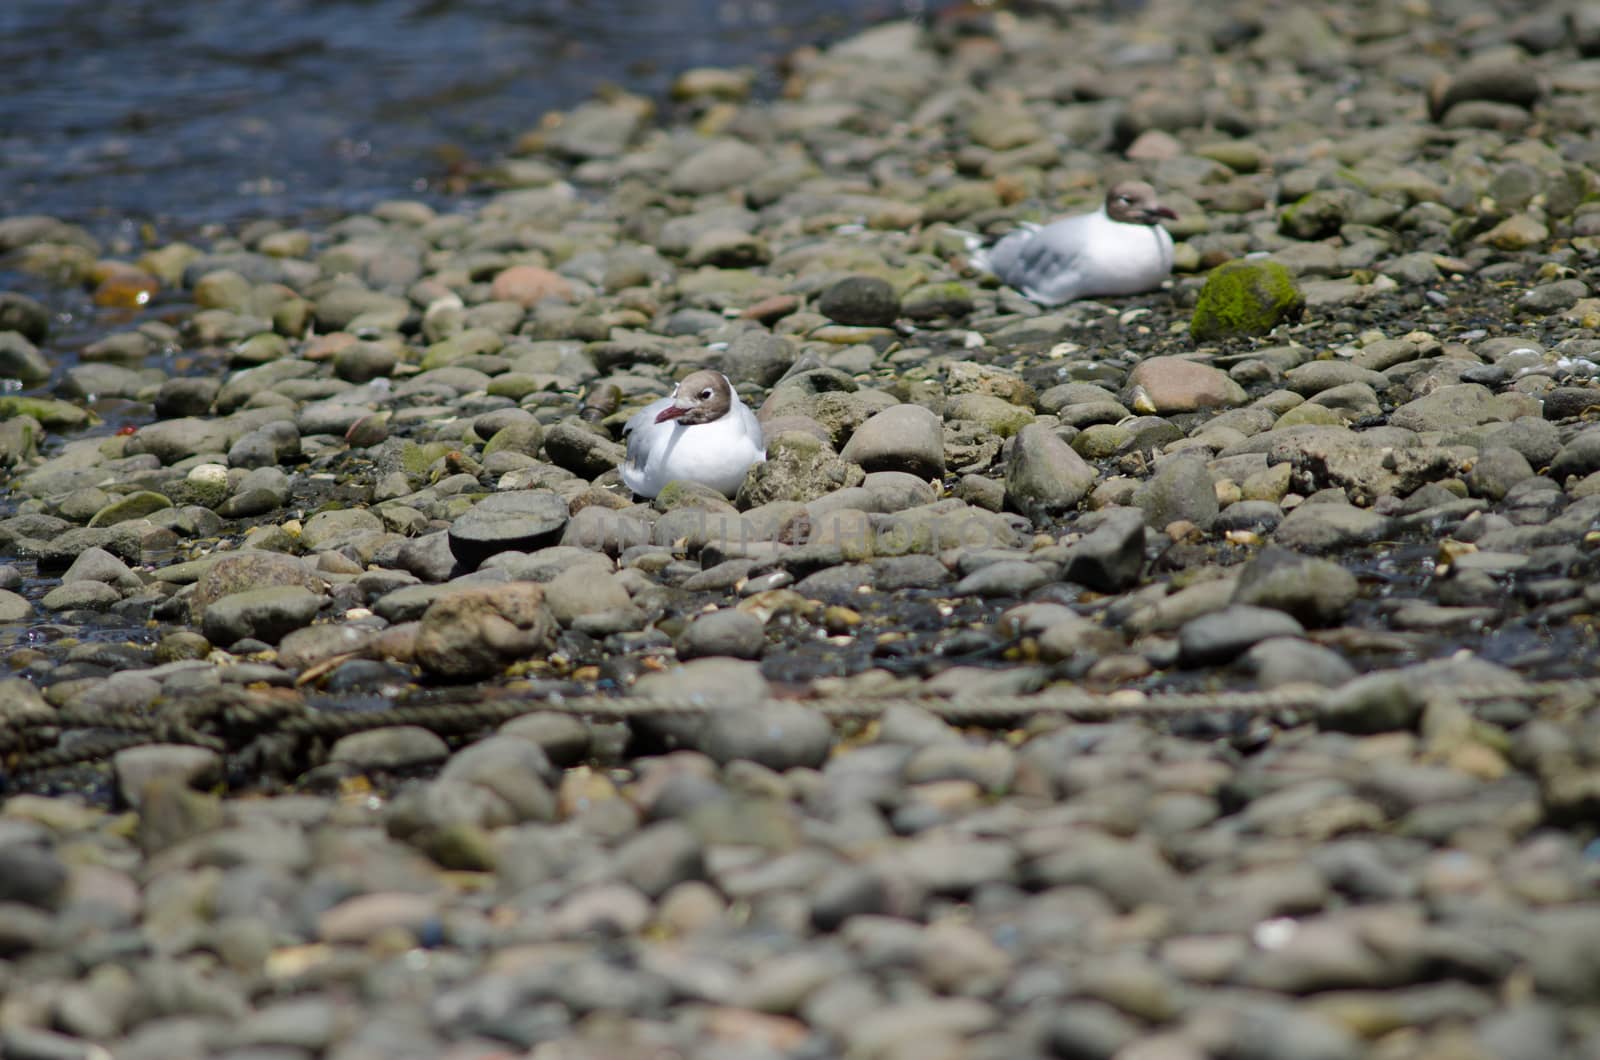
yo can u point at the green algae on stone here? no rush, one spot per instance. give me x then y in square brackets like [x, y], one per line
[469, 343]
[996, 414]
[1245, 298]
[63, 264]
[524, 437]
[417, 458]
[1309, 414]
[136, 505]
[683, 493]
[1100, 440]
[798, 468]
[932, 301]
[205, 485]
[1315, 216]
[960, 201]
[54, 415]
[260, 349]
[19, 439]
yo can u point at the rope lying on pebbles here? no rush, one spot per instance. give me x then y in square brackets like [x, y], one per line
[246, 719]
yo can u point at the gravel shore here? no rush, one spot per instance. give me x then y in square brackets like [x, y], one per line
[311, 538]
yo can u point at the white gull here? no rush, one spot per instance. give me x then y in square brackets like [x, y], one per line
[1120, 248]
[702, 433]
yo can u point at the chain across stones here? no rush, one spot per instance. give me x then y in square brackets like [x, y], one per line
[229, 723]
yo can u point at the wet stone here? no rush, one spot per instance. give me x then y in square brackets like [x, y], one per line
[522, 521]
[260, 614]
[392, 747]
[1225, 634]
[1315, 591]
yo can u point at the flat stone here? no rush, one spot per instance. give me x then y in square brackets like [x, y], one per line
[260, 614]
[1225, 634]
[520, 520]
[1315, 591]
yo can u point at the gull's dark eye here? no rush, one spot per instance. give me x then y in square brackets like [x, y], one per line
[705, 395]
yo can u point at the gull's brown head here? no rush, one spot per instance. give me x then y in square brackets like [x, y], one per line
[1134, 202]
[702, 397]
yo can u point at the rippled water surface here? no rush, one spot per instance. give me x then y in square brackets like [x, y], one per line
[222, 110]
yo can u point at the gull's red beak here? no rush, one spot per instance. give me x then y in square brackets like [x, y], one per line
[671, 412]
[1162, 211]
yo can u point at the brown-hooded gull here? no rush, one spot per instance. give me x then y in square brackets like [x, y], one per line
[702, 432]
[1121, 248]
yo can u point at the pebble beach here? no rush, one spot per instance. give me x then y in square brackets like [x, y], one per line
[1178, 676]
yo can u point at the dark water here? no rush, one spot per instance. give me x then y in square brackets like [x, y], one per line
[194, 111]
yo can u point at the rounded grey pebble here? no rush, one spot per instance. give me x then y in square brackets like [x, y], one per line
[260, 614]
[726, 632]
[32, 874]
[1223, 635]
[865, 301]
[1089, 1030]
[391, 747]
[777, 735]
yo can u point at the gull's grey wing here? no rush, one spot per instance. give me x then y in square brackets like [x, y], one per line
[1051, 251]
[752, 427]
[982, 257]
[637, 428]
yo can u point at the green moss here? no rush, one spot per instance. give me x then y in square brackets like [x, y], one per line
[53, 414]
[932, 301]
[524, 437]
[1309, 414]
[960, 200]
[137, 505]
[259, 349]
[460, 346]
[692, 495]
[19, 439]
[417, 459]
[997, 415]
[1245, 298]
[1317, 215]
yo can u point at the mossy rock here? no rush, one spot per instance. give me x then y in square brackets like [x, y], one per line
[524, 437]
[960, 201]
[458, 347]
[416, 459]
[137, 505]
[52, 414]
[1245, 298]
[1317, 215]
[1309, 414]
[19, 439]
[995, 414]
[933, 301]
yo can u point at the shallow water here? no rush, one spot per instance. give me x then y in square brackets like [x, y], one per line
[196, 111]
